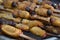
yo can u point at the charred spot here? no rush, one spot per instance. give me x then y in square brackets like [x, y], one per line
[14, 4]
[28, 9]
[14, 15]
[32, 13]
[49, 12]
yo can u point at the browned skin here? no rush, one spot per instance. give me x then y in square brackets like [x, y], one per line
[55, 21]
[22, 27]
[51, 29]
[38, 31]
[7, 29]
[7, 3]
[39, 11]
[14, 32]
[43, 12]
[32, 23]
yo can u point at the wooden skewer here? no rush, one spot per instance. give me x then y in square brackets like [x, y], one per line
[24, 36]
[56, 10]
[58, 36]
[57, 15]
[8, 10]
[14, 32]
[44, 34]
[41, 18]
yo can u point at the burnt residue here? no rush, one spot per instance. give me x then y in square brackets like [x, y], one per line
[28, 9]
[49, 12]
[32, 13]
[14, 4]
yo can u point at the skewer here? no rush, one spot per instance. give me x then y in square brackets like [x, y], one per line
[41, 18]
[24, 36]
[24, 25]
[58, 36]
[51, 29]
[14, 32]
[42, 33]
[56, 10]
[57, 15]
[12, 23]
[7, 10]
[53, 20]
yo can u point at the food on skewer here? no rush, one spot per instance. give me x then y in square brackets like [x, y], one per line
[14, 32]
[17, 20]
[55, 21]
[41, 18]
[32, 6]
[9, 3]
[51, 29]
[12, 23]
[22, 27]
[25, 4]
[18, 13]
[24, 14]
[18, 5]
[38, 31]
[35, 23]
[25, 24]
[25, 21]
[21, 6]
[51, 7]
[42, 33]
[47, 6]
[9, 16]
[43, 12]
[32, 23]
